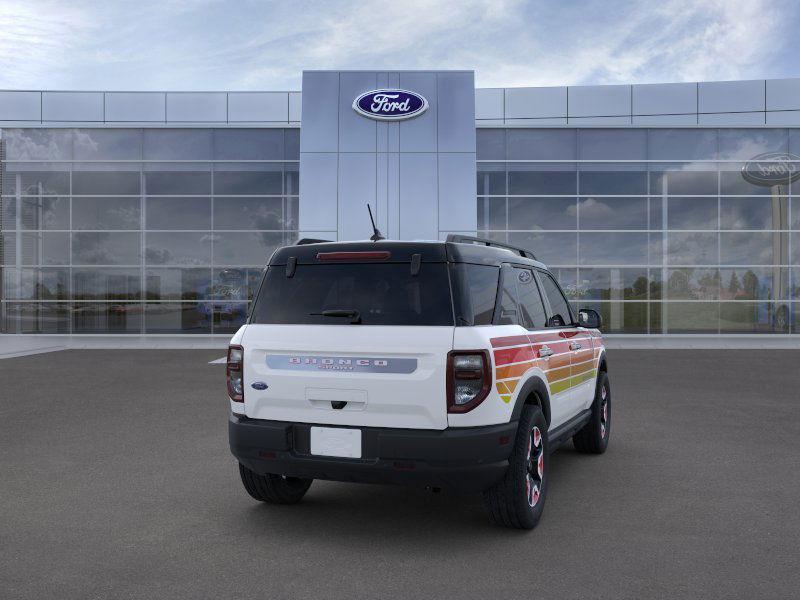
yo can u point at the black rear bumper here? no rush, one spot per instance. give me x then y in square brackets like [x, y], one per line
[465, 459]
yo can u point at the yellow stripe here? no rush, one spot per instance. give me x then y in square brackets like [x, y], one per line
[506, 399]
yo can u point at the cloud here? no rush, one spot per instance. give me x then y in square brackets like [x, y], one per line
[206, 44]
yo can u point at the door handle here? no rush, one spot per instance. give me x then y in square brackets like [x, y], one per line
[545, 352]
[575, 346]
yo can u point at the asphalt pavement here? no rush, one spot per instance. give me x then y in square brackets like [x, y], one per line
[116, 482]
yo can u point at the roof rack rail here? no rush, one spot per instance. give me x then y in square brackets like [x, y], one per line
[468, 239]
[304, 241]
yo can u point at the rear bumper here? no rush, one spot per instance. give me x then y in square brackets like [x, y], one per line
[466, 459]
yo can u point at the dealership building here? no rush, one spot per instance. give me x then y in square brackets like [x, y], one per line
[672, 209]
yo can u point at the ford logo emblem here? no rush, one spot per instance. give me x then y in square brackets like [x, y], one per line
[390, 105]
[259, 385]
[772, 168]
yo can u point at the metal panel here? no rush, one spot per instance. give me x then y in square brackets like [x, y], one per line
[602, 121]
[536, 103]
[419, 133]
[730, 96]
[258, 106]
[72, 106]
[136, 106]
[418, 192]
[784, 118]
[320, 129]
[491, 122]
[295, 100]
[197, 107]
[489, 103]
[783, 94]
[599, 101]
[456, 111]
[732, 119]
[356, 134]
[458, 209]
[664, 98]
[318, 185]
[356, 189]
[538, 122]
[20, 106]
[665, 120]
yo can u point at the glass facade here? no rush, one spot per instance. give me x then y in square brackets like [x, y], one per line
[656, 229]
[141, 230]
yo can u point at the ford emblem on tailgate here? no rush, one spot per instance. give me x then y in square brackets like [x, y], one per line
[259, 385]
[772, 168]
[390, 105]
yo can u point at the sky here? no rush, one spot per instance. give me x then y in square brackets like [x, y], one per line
[264, 45]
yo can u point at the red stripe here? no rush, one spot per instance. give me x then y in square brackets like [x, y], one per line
[514, 340]
[513, 355]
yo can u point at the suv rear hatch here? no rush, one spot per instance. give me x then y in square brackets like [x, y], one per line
[350, 334]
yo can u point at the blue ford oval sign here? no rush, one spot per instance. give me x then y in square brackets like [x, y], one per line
[390, 105]
[772, 168]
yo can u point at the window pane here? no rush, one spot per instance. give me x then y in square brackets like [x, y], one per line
[550, 248]
[682, 144]
[542, 213]
[613, 182]
[754, 213]
[8, 214]
[621, 317]
[107, 318]
[245, 248]
[530, 300]
[491, 179]
[44, 212]
[175, 317]
[34, 317]
[49, 248]
[612, 213]
[560, 314]
[235, 283]
[733, 182]
[250, 183]
[691, 317]
[490, 144]
[492, 213]
[508, 298]
[608, 144]
[291, 179]
[692, 213]
[38, 144]
[541, 144]
[178, 183]
[178, 284]
[229, 317]
[248, 144]
[107, 144]
[754, 248]
[118, 183]
[754, 283]
[291, 144]
[684, 183]
[178, 144]
[613, 248]
[174, 212]
[178, 248]
[475, 292]
[36, 284]
[36, 183]
[746, 144]
[248, 213]
[693, 284]
[746, 317]
[105, 248]
[529, 182]
[692, 248]
[613, 284]
[106, 284]
[105, 213]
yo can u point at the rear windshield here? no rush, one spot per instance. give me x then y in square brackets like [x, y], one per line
[382, 294]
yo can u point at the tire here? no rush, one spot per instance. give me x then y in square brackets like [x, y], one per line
[593, 437]
[518, 500]
[274, 489]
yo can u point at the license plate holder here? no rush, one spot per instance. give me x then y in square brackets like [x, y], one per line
[341, 442]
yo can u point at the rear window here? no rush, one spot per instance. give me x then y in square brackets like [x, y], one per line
[383, 294]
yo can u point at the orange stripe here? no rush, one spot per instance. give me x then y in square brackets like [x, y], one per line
[513, 370]
[556, 374]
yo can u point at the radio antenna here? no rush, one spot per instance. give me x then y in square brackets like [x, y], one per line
[376, 235]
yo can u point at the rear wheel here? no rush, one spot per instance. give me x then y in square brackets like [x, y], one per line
[593, 437]
[518, 500]
[274, 489]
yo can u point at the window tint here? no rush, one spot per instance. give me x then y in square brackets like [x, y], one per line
[508, 299]
[477, 292]
[530, 301]
[383, 294]
[559, 307]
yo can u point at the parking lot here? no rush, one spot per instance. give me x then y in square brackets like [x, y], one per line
[116, 482]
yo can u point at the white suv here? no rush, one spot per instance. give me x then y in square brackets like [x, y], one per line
[456, 364]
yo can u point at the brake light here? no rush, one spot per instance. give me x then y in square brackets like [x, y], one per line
[469, 379]
[369, 255]
[235, 373]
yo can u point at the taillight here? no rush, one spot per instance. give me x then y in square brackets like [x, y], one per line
[235, 373]
[469, 379]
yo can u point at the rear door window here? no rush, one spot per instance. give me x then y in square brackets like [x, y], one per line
[508, 298]
[382, 294]
[532, 314]
[560, 315]
[475, 293]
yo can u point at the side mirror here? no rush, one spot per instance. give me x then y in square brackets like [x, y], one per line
[589, 318]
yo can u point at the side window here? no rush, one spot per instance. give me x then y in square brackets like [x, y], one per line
[530, 300]
[475, 293]
[508, 298]
[559, 307]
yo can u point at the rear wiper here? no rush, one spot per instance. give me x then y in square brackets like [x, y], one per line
[352, 314]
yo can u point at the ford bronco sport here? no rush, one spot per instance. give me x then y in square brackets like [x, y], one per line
[456, 364]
